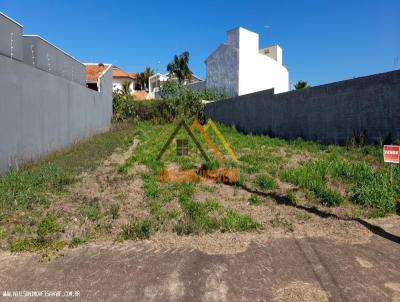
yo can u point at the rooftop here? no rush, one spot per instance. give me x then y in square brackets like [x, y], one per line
[119, 73]
[94, 71]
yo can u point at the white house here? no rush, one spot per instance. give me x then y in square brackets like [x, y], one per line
[240, 67]
[156, 81]
[120, 76]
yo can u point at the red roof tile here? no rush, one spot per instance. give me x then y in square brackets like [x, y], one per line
[93, 71]
[119, 73]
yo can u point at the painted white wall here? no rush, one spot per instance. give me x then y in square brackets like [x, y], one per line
[117, 84]
[155, 82]
[240, 67]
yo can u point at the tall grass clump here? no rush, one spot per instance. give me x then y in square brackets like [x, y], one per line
[197, 217]
[24, 189]
[235, 222]
[312, 177]
[265, 182]
[136, 230]
[370, 187]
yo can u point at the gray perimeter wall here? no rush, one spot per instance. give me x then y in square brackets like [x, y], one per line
[41, 112]
[10, 38]
[332, 113]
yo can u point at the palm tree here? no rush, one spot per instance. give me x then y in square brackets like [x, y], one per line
[301, 84]
[143, 78]
[147, 73]
[179, 67]
[125, 91]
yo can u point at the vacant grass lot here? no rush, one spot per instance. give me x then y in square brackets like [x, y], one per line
[353, 179]
[74, 196]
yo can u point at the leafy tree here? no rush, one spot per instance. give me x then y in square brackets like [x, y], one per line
[301, 84]
[180, 67]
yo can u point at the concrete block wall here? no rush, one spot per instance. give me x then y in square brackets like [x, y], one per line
[45, 56]
[41, 112]
[10, 38]
[331, 113]
[38, 52]
[44, 102]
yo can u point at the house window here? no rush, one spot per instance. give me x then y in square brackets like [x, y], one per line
[182, 147]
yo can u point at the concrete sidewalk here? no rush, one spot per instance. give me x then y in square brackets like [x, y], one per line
[309, 268]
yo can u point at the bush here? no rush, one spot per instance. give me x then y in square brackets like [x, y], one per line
[178, 101]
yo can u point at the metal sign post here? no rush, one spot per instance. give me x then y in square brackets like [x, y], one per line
[391, 155]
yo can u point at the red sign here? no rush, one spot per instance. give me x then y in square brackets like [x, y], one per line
[391, 154]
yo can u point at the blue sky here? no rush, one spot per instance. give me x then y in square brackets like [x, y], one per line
[323, 41]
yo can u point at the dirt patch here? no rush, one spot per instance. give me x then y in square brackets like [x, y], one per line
[105, 189]
[295, 160]
[282, 220]
[301, 292]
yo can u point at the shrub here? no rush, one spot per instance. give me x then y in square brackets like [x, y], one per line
[178, 101]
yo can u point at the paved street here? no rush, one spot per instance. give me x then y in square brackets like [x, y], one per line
[139, 271]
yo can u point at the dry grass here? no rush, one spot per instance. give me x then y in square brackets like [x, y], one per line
[300, 292]
[213, 217]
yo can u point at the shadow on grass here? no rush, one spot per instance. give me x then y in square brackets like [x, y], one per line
[377, 230]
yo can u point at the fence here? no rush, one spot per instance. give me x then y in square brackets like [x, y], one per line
[44, 102]
[365, 107]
